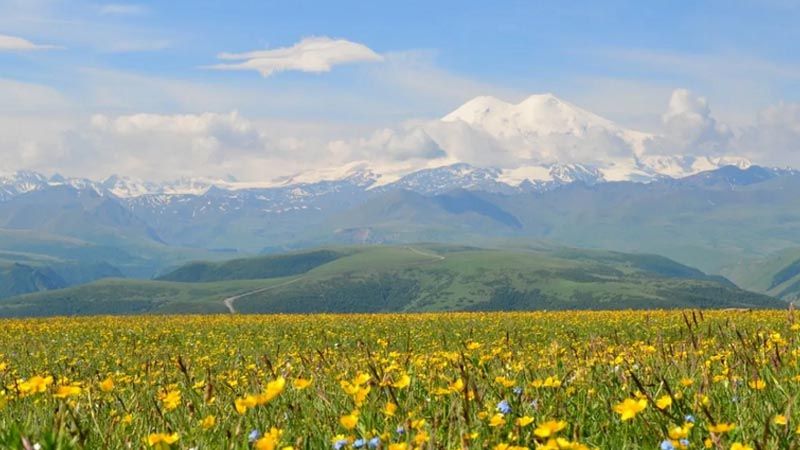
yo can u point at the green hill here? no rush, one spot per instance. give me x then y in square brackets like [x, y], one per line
[16, 279]
[272, 266]
[408, 278]
[777, 275]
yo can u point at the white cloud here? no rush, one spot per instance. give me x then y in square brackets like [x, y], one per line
[390, 145]
[313, 54]
[690, 128]
[17, 97]
[14, 43]
[774, 138]
[211, 135]
[150, 146]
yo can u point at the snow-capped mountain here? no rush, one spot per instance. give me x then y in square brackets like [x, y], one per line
[538, 116]
[20, 182]
[554, 142]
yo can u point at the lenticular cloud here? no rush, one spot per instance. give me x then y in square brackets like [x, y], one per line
[313, 54]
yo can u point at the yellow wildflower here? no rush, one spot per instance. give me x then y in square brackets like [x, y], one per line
[107, 385]
[208, 422]
[721, 428]
[549, 428]
[497, 420]
[301, 383]
[162, 440]
[349, 421]
[524, 421]
[664, 402]
[67, 391]
[629, 408]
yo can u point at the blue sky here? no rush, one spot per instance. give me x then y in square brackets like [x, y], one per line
[619, 59]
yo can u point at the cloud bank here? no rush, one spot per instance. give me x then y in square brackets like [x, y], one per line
[313, 54]
[168, 146]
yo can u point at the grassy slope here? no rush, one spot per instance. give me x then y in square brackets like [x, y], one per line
[777, 275]
[271, 266]
[413, 278]
[16, 279]
[387, 279]
[124, 296]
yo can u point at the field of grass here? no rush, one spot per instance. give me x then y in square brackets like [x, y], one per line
[403, 278]
[559, 380]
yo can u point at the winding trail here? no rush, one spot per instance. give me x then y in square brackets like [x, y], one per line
[228, 302]
[430, 255]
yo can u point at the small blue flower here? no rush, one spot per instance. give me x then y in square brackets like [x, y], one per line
[517, 390]
[666, 445]
[684, 442]
[253, 436]
[400, 430]
[359, 443]
[689, 418]
[504, 407]
[374, 442]
[340, 444]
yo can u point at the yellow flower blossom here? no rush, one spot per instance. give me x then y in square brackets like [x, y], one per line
[403, 382]
[549, 428]
[67, 391]
[721, 428]
[162, 440]
[740, 446]
[524, 421]
[301, 383]
[629, 408]
[664, 402]
[35, 385]
[497, 420]
[349, 421]
[208, 422]
[107, 385]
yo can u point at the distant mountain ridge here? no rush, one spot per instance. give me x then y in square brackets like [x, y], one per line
[453, 203]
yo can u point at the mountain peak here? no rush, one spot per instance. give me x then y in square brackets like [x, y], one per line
[537, 116]
[478, 107]
[547, 97]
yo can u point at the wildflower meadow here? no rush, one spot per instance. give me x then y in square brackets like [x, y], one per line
[501, 381]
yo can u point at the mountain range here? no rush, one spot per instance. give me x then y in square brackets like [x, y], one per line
[556, 181]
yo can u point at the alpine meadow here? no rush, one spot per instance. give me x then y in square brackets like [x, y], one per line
[349, 225]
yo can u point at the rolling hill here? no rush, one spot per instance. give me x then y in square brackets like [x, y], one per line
[16, 279]
[777, 275]
[429, 277]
